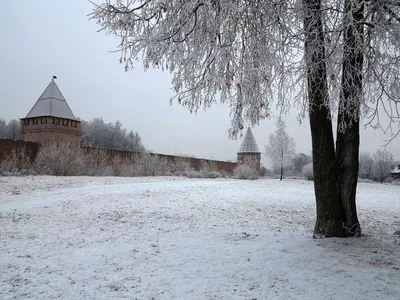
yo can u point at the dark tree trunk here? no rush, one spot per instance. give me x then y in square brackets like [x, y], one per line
[348, 130]
[330, 216]
[282, 164]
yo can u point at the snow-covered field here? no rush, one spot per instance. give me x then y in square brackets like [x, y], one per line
[174, 238]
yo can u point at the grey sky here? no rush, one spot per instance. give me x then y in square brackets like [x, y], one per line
[44, 38]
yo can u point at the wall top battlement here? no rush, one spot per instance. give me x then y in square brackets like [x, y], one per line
[50, 121]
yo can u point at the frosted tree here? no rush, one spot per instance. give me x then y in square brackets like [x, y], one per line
[383, 160]
[3, 129]
[9, 130]
[366, 164]
[97, 133]
[134, 142]
[13, 129]
[338, 57]
[299, 161]
[281, 148]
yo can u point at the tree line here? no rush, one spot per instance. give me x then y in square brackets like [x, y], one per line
[95, 133]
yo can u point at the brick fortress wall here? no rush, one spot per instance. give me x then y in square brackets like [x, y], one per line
[129, 157]
[17, 147]
[30, 149]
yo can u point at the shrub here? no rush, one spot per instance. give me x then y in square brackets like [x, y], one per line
[192, 174]
[389, 180]
[264, 171]
[308, 171]
[149, 164]
[180, 165]
[97, 164]
[60, 159]
[212, 174]
[245, 172]
[17, 163]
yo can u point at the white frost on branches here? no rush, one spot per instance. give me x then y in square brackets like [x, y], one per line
[281, 148]
[250, 54]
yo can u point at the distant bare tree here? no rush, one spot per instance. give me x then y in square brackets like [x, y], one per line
[281, 148]
[383, 160]
[366, 165]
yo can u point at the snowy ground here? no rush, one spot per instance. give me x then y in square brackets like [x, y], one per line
[174, 238]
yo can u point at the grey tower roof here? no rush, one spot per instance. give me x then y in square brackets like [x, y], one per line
[249, 144]
[51, 103]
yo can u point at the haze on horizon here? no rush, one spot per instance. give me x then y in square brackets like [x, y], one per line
[41, 39]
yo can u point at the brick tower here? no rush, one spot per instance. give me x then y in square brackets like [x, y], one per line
[51, 120]
[248, 153]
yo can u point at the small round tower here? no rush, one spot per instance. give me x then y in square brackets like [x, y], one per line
[249, 154]
[51, 120]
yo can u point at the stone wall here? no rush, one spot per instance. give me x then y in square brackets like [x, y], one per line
[129, 157]
[17, 147]
[31, 149]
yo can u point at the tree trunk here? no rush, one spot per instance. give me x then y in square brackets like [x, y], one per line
[330, 216]
[281, 171]
[348, 129]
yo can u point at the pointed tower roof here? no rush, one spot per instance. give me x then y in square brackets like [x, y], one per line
[249, 144]
[51, 103]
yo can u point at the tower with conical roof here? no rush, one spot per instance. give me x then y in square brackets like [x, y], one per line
[51, 120]
[249, 153]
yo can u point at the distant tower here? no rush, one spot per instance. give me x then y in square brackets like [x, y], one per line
[51, 120]
[249, 153]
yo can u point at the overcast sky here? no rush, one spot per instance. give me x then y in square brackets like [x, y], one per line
[43, 38]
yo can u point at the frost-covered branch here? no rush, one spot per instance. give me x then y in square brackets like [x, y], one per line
[250, 54]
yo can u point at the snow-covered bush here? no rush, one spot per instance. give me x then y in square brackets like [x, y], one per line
[212, 174]
[97, 164]
[59, 159]
[180, 165]
[389, 180]
[245, 172]
[17, 164]
[209, 169]
[121, 167]
[264, 171]
[148, 164]
[192, 174]
[308, 171]
[396, 182]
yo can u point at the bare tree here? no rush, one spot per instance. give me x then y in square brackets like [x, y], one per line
[366, 164]
[383, 160]
[281, 148]
[247, 52]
